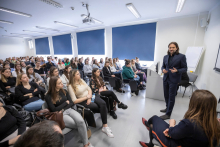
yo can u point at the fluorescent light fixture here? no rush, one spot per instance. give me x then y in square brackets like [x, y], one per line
[14, 12]
[12, 36]
[30, 43]
[8, 22]
[180, 5]
[21, 34]
[47, 28]
[61, 23]
[133, 10]
[53, 3]
[34, 31]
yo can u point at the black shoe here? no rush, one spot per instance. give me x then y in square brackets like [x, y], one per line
[164, 110]
[123, 106]
[118, 90]
[164, 117]
[112, 113]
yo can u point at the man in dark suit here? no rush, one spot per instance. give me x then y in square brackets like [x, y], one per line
[174, 64]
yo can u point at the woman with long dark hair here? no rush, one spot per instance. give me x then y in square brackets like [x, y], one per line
[96, 64]
[53, 72]
[67, 62]
[199, 128]
[59, 100]
[81, 94]
[73, 64]
[33, 77]
[65, 76]
[80, 64]
[17, 71]
[98, 86]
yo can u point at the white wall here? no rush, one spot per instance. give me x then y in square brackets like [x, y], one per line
[208, 78]
[13, 47]
[181, 30]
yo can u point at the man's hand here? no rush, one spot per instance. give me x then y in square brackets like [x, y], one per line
[172, 122]
[173, 70]
[165, 71]
[166, 133]
[88, 101]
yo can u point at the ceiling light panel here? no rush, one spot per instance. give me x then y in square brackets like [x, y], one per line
[20, 34]
[180, 5]
[47, 28]
[8, 22]
[34, 32]
[133, 10]
[14, 12]
[52, 3]
[61, 23]
[13, 36]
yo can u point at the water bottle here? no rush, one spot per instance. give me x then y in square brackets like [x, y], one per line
[93, 97]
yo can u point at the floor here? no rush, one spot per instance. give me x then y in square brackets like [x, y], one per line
[128, 129]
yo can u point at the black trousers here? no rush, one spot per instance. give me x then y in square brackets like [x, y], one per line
[117, 82]
[99, 106]
[112, 97]
[141, 75]
[169, 95]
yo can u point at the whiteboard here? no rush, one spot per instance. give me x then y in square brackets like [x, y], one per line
[217, 64]
[193, 55]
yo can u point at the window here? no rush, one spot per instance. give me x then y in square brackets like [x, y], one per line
[42, 46]
[62, 44]
[30, 43]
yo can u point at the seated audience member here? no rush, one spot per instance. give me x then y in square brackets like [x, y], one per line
[61, 66]
[106, 59]
[115, 64]
[12, 125]
[13, 60]
[87, 68]
[81, 93]
[128, 74]
[107, 74]
[53, 72]
[98, 86]
[112, 67]
[56, 60]
[96, 64]
[198, 128]
[17, 71]
[59, 100]
[82, 60]
[23, 66]
[184, 80]
[32, 62]
[65, 76]
[1, 68]
[80, 64]
[138, 66]
[67, 62]
[1, 62]
[34, 77]
[92, 62]
[38, 69]
[49, 64]
[6, 65]
[27, 93]
[7, 82]
[101, 63]
[17, 62]
[42, 61]
[73, 64]
[44, 134]
[139, 73]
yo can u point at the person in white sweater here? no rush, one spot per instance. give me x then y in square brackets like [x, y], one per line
[34, 77]
[65, 76]
[96, 64]
[102, 63]
[17, 71]
[23, 66]
[87, 68]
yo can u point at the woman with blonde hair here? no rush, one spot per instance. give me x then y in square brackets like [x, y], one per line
[17, 71]
[81, 93]
[199, 128]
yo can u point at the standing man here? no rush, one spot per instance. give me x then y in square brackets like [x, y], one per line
[174, 64]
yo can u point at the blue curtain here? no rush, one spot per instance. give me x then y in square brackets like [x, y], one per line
[42, 46]
[91, 42]
[62, 44]
[133, 41]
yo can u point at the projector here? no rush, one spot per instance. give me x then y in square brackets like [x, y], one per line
[88, 20]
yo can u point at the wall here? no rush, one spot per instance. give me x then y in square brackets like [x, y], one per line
[182, 30]
[208, 78]
[10, 47]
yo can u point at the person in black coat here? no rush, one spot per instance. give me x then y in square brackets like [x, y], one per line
[108, 74]
[49, 64]
[12, 125]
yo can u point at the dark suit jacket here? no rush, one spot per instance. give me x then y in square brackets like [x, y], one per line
[178, 62]
[106, 72]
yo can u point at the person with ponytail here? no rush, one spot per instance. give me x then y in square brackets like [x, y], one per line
[199, 127]
[65, 76]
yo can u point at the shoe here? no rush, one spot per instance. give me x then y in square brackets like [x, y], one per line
[136, 92]
[144, 121]
[123, 106]
[143, 144]
[90, 145]
[133, 94]
[118, 90]
[112, 113]
[164, 117]
[107, 131]
[164, 110]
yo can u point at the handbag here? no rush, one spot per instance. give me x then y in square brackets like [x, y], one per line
[89, 133]
[30, 118]
[55, 116]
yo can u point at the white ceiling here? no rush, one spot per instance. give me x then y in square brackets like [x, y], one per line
[111, 12]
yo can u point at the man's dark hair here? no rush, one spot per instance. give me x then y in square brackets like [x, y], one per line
[177, 46]
[41, 135]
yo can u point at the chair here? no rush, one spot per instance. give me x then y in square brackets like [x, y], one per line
[192, 79]
[124, 82]
[104, 78]
[157, 143]
[112, 82]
